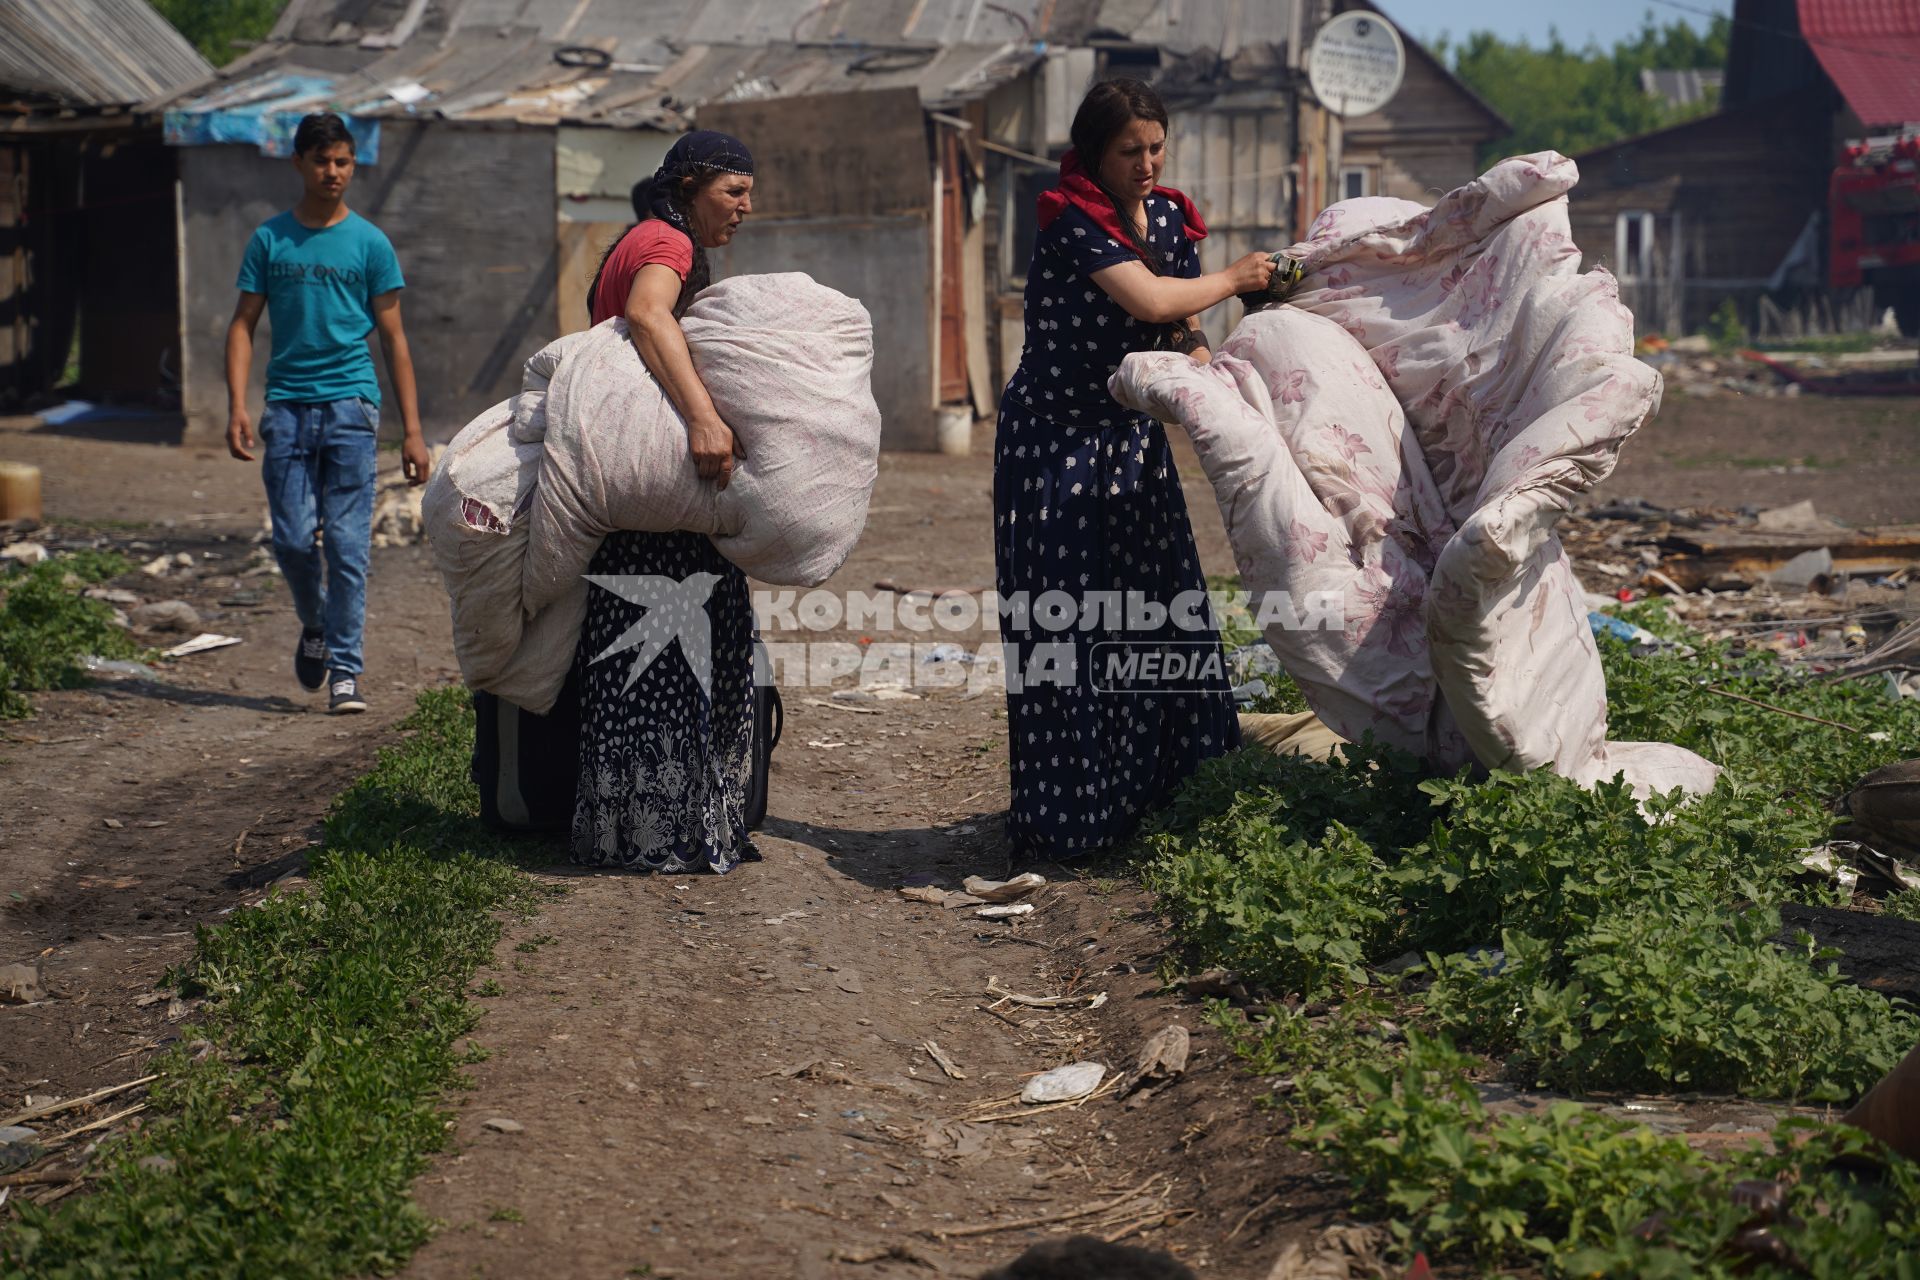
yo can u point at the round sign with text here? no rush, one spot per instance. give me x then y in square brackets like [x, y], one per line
[1356, 64]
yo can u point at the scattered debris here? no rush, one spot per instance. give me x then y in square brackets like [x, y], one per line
[24, 553]
[158, 567]
[167, 615]
[1162, 1057]
[1883, 810]
[1042, 1002]
[849, 981]
[1798, 517]
[500, 1124]
[891, 1253]
[22, 983]
[1342, 1251]
[1723, 556]
[1003, 890]
[87, 1099]
[99, 666]
[1214, 983]
[946, 652]
[17, 1148]
[1064, 1084]
[929, 894]
[200, 644]
[1130, 1208]
[941, 1060]
[1008, 912]
[112, 824]
[1802, 571]
[840, 706]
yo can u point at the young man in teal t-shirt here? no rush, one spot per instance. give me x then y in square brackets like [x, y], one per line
[326, 277]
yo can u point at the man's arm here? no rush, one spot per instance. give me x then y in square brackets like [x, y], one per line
[415, 460]
[246, 317]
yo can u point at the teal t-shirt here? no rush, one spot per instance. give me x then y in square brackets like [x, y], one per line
[320, 286]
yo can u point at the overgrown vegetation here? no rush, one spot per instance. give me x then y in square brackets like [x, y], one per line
[1572, 100]
[288, 1137]
[1585, 941]
[1568, 1189]
[47, 626]
[221, 30]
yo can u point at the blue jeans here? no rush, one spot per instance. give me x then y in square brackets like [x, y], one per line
[319, 470]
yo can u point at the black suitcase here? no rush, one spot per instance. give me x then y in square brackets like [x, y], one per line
[769, 718]
[527, 766]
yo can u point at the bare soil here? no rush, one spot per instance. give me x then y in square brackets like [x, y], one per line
[713, 1077]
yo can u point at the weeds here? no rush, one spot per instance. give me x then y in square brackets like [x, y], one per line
[47, 626]
[291, 1135]
[1590, 941]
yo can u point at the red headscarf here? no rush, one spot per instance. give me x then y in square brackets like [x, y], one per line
[1081, 192]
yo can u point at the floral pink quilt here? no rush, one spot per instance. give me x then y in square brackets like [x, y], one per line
[1405, 434]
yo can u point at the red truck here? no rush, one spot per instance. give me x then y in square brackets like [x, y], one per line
[1875, 202]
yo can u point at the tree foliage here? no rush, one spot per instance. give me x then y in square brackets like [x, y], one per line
[1571, 100]
[213, 26]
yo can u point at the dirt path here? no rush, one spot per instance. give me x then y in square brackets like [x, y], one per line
[712, 1077]
[731, 1077]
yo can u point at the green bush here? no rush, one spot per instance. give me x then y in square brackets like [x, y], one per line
[47, 626]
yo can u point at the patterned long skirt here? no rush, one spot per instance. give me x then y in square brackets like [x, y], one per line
[664, 763]
[1088, 512]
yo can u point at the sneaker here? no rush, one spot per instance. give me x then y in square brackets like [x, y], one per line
[345, 694]
[310, 661]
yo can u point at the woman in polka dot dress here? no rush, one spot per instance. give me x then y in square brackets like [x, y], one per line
[1090, 527]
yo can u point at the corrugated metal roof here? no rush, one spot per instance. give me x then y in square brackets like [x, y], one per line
[654, 63]
[93, 52]
[515, 76]
[1871, 49]
[620, 25]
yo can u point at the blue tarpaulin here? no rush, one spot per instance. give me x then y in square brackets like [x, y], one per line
[265, 115]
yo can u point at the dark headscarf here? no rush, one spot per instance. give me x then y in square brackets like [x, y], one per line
[702, 151]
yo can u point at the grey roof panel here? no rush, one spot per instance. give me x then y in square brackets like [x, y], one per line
[93, 52]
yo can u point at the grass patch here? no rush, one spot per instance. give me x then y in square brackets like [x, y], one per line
[47, 626]
[291, 1134]
[1568, 1191]
[1586, 941]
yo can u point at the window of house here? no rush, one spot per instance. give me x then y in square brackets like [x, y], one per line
[1357, 181]
[1633, 244]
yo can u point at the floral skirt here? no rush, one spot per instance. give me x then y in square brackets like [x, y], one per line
[664, 763]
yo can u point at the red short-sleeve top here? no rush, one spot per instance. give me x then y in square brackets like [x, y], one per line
[651, 241]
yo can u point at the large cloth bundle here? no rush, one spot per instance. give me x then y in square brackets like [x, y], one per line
[789, 364]
[529, 488]
[1405, 434]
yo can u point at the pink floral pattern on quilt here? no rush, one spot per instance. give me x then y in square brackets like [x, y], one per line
[1406, 433]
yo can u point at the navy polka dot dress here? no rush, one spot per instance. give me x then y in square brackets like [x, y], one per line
[1087, 501]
